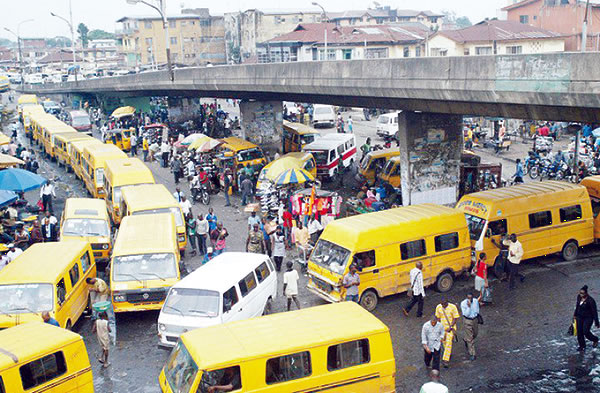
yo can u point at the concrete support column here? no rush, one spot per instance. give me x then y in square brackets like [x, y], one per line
[430, 150]
[262, 122]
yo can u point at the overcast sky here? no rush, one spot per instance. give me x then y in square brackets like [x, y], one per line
[102, 14]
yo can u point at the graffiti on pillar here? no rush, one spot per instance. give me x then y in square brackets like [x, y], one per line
[262, 121]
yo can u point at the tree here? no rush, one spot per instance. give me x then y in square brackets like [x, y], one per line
[58, 42]
[459, 21]
[98, 34]
[83, 31]
[462, 22]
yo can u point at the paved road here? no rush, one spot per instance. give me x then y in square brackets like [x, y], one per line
[522, 346]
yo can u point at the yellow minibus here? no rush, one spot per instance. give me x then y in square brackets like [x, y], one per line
[92, 165]
[25, 100]
[49, 133]
[373, 163]
[153, 199]
[122, 173]
[144, 263]
[75, 149]
[297, 135]
[38, 357]
[61, 144]
[87, 219]
[391, 172]
[385, 246]
[47, 277]
[547, 217]
[592, 184]
[335, 348]
[29, 112]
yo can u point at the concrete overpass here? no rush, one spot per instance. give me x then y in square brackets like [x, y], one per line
[561, 86]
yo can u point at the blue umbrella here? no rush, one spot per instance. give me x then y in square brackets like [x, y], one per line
[19, 180]
[7, 197]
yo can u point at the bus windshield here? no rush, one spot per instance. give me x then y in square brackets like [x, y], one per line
[192, 301]
[175, 211]
[25, 298]
[476, 225]
[85, 227]
[180, 370]
[330, 256]
[250, 154]
[144, 267]
[320, 157]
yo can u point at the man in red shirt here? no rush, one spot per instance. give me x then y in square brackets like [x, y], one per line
[544, 131]
[287, 225]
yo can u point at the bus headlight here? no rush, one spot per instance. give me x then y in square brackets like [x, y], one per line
[119, 297]
[162, 327]
[181, 238]
[105, 246]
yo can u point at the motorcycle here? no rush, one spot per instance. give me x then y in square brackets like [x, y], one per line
[199, 191]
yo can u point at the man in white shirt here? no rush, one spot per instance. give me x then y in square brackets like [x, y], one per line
[186, 205]
[178, 195]
[47, 192]
[314, 229]
[25, 155]
[13, 252]
[290, 285]
[165, 149]
[434, 386]
[133, 141]
[201, 233]
[432, 335]
[418, 290]
[515, 254]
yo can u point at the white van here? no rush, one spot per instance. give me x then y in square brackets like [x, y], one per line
[387, 124]
[328, 149]
[231, 287]
[323, 115]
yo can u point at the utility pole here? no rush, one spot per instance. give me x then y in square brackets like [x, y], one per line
[18, 36]
[584, 27]
[70, 24]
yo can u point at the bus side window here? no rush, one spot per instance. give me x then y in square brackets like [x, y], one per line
[229, 299]
[85, 261]
[498, 227]
[348, 354]
[595, 207]
[74, 275]
[365, 259]
[288, 367]
[42, 370]
[61, 291]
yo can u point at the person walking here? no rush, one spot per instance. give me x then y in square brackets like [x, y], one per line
[145, 148]
[480, 272]
[201, 233]
[186, 206]
[290, 285]
[255, 242]
[432, 335]
[350, 130]
[191, 226]
[218, 238]
[470, 312]
[314, 229]
[434, 386]
[165, 149]
[227, 182]
[351, 281]
[178, 195]
[253, 219]
[211, 217]
[278, 245]
[47, 192]
[515, 254]
[102, 330]
[418, 290]
[49, 232]
[134, 141]
[448, 314]
[518, 176]
[586, 313]
[177, 168]
[246, 187]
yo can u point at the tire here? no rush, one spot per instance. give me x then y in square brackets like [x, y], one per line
[444, 282]
[570, 250]
[205, 197]
[369, 300]
[268, 307]
[560, 175]
[534, 172]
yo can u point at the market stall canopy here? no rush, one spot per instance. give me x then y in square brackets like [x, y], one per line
[7, 197]
[201, 142]
[123, 111]
[293, 176]
[19, 180]
[4, 140]
[191, 138]
[8, 161]
[209, 145]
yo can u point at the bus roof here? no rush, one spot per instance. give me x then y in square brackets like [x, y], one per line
[41, 263]
[369, 231]
[85, 208]
[104, 151]
[124, 171]
[299, 128]
[521, 197]
[592, 183]
[148, 196]
[27, 99]
[72, 136]
[23, 342]
[262, 337]
[328, 141]
[81, 144]
[146, 233]
[236, 144]
[393, 153]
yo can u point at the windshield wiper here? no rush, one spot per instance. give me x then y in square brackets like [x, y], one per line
[176, 309]
[24, 308]
[154, 274]
[199, 312]
[130, 275]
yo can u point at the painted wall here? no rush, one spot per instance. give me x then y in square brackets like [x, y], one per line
[262, 121]
[454, 48]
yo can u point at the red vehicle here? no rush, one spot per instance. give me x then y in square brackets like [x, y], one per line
[329, 149]
[80, 121]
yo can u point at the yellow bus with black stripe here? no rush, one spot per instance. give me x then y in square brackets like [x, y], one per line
[38, 357]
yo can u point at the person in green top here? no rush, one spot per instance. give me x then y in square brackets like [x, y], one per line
[366, 148]
[190, 223]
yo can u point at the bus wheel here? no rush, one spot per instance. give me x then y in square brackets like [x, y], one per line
[369, 300]
[569, 251]
[444, 282]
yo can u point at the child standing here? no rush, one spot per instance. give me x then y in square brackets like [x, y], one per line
[102, 331]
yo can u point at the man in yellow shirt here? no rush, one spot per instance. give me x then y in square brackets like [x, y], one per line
[448, 314]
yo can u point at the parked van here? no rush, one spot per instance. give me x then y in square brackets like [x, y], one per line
[38, 357]
[243, 153]
[122, 173]
[29, 112]
[391, 172]
[387, 124]
[233, 286]
[385, 246]
[80, 121]
[87, 219]
[144, 263]
[25, 100]
[92, 164]
[592, 184]
[300, 160]
[119, 137]
[4, 84]
[297, 135]
[48, 137]
[328, 149]
[47, 277]
[335, 348]
[154, 199]
[547, 217]
[324, 115]
[61, 141]
[373, 163]
[75, 149]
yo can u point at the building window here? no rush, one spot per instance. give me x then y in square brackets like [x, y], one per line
[173, 40]
[483, 50]
[439, 52]
[524, 19]
[376, 53]
[466, 52]
[406, 51]
[514, 50]
[148, 24]
[347, 54]
[172, 24]
[148, 42]
[418, 51]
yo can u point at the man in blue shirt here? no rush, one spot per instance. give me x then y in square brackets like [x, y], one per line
[48, 319]
[470, 310]
[211, 217]
[518, 176]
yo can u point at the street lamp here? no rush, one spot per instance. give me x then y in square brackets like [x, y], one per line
[162, 10]
[324, 19]
[18, 36]
[70, 24]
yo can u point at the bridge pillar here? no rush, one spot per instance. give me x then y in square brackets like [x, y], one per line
[430, 150]
[262, 122]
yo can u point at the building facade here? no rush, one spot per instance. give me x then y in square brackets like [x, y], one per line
[386, 15]
[194, 40]
[492, 37]
[562, 16]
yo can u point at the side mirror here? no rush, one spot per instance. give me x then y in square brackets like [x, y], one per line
[488, 233]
